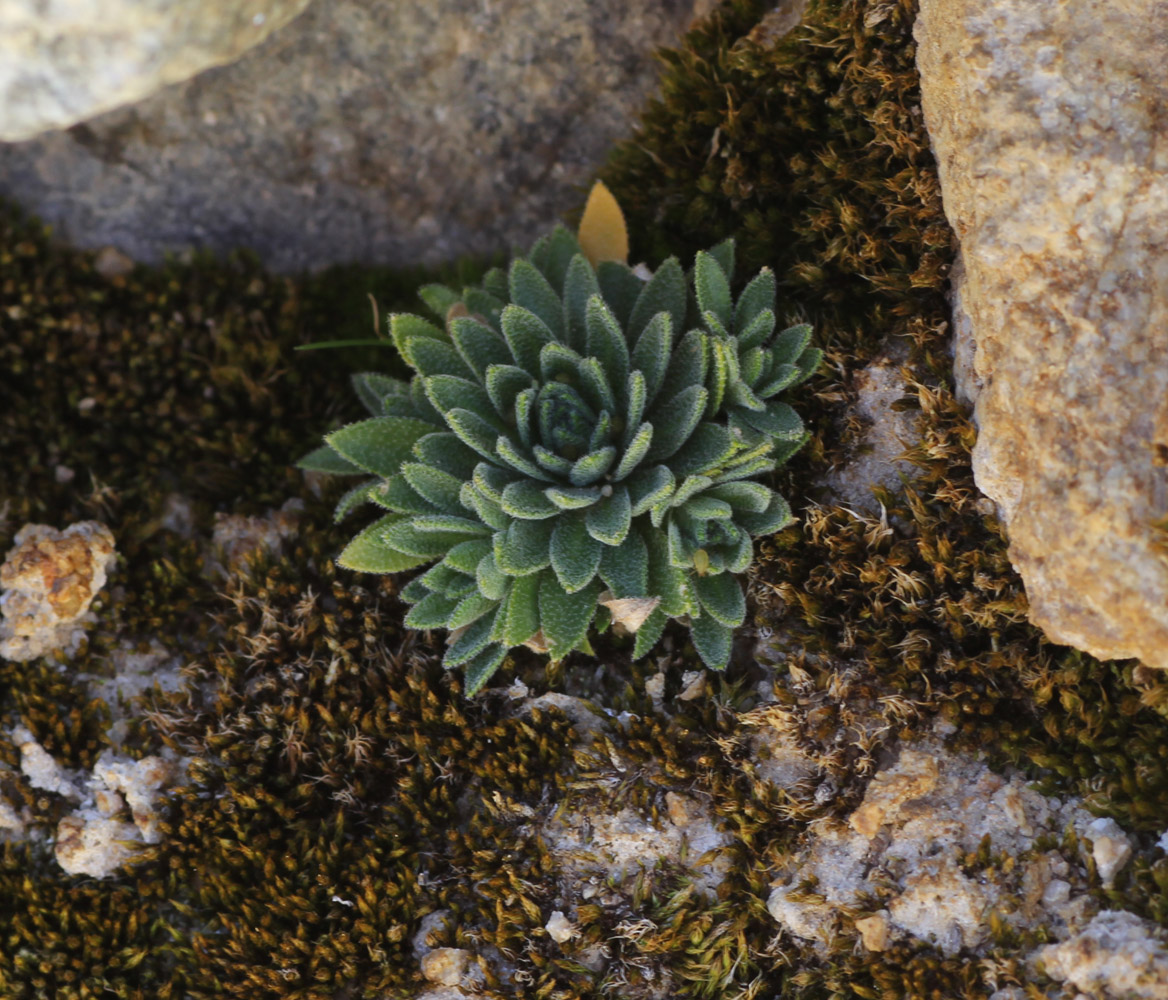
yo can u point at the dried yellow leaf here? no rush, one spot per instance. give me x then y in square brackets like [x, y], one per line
[603, 235]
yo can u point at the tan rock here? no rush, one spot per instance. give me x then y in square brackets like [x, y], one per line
[875, 931]
[915, 776]
[49, 579]
[1116, 954]
[61, 63]
[560, 928]
[94, 845]
[1045, 119]
[446, 966]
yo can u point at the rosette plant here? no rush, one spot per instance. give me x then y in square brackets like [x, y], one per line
[580, 445]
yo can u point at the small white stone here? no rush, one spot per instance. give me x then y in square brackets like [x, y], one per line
[1111, 848]
[1056, 892]
[560, 928]
[446, 966]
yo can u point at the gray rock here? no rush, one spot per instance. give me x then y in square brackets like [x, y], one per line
[1046, 120]
[367, 130]
[61, 63]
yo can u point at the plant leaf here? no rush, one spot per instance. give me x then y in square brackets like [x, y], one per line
[432, 611]
[439, 487]
[522, 609]
[531, 290]
[471, 641]
[378, 445]
[482, 666]
[664, 292]
[564, 618]
[602, 233]
[479, 345]
[575, 554]
[325, 459]
[369, 552]
[712, 640]
[528, 500]
[674, 421]
[722, 597]
[624, 568]
[608, 521]
[524, 547]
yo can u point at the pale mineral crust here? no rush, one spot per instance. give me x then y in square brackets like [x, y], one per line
[47, 583]
[1046, 119]
[1116, 955]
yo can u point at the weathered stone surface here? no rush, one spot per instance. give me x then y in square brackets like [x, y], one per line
[49, 579]
[1117, 955]
[908, 844]
[1045, 118]
[64, 61]
[369, 130]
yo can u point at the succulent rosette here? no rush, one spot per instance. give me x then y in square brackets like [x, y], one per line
[579, 446]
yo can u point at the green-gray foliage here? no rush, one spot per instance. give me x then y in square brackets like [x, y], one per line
[575, 435]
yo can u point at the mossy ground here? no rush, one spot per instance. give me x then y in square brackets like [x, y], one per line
[345, 787]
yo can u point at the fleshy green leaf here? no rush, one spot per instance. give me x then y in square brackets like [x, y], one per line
[473, 431]
[687, 366]
[751, 498]
[579, 286]
[648, 487]
[778, 420]
[790, 343]
[649, 633]
[482, 666]
[448, 392]
[564, 618]
[325, 459]
[776, 517]
[781, 377]
[722, 597]
[595, 387]
[406, 330]
[479, 345]
[608, 521]
[369, 552]
[504, 384]
[606, 342]
[531, 290]
[624, 568]
[713, 641]
[465, 556]
[723, 253]
[557, 361]
[758, 295]
[474, 639]
[713, 289]
[575, 554]
[709, 447]
[522, 609]
[635, 452]
[352, 499]
[524, 547]
[620, 288]
[526, 499]
[758, 330]
[589, 468]
[526, 335]
[398, 495]
[674, 421]
[488, 510]
[471, 608]
[409, 540]
[432, 611]
[651, 355]
[664, 292]
[439, 298]
[562, 248]
[372, 388]
[379, 445]
[440, 488]
[506, 450]
[445, 451]
[636, 397]
[665, 581]
[572, 498]
[438, 357]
